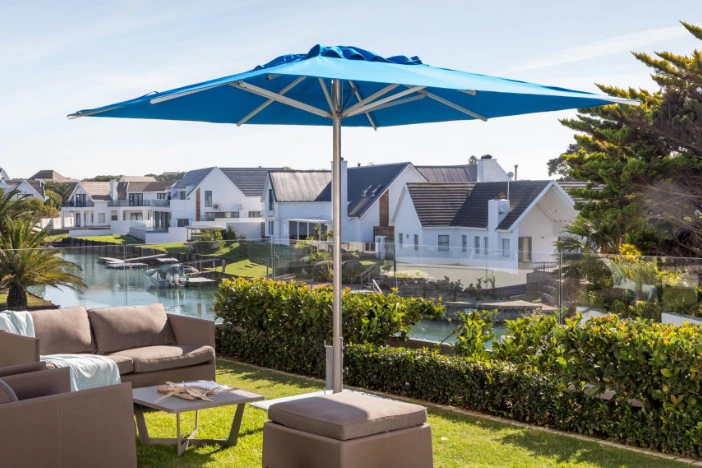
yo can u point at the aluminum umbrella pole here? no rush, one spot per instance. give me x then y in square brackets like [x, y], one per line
[336, 246]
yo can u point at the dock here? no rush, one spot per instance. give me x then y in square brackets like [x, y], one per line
[199, 281]
[126, 266]
[119, 261]
[167, 260]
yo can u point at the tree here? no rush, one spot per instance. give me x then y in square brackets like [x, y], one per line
[558, 167]
[53, 199]
[64, 190]
[12, 206]
[24, 262]
[103, 178]
[639, 153]
[473, 160]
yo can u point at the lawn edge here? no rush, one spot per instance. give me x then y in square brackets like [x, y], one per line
[486, 417]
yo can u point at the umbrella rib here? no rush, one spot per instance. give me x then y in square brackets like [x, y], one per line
[446, 102]
[358, 96]
[269, 102]
[279, 98]
[374, 105]
[371, 98]
[326, 94]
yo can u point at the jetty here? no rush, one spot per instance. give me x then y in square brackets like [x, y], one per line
[116, 261]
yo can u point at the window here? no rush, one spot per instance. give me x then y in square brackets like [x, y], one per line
[271, 206]
[416, 242]
[271, 228]
[208, 198]
[136, 199]
[443, 243]
[212, 215]
[254, 214]
[182, 222]
[101, 218]
[476, 244]
[161, 196]
[114, 217]
[505, 247]
[181, 195]
[485, 245]
[400, 241]
[464, 243]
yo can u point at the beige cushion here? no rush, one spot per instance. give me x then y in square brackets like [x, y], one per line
[63, 331]
[118, 328]
[7, 395]
[158, 358]
[346, 415]
[125, 365]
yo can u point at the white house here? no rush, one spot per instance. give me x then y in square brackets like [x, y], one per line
[294, 202]
[485, 169]
[499, 224]
[27, 188]
[4, 175]
[216, 197]
[114, 205]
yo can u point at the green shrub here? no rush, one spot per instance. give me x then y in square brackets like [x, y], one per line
[211, 240]
[291, 320]
[474, 330]
[531, 341]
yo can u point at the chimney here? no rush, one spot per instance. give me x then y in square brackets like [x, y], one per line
[497, 211]
[344, 195]
[516, 166]
[489, 170]
[113, 189]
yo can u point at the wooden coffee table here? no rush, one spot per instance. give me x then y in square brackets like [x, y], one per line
[147, 396]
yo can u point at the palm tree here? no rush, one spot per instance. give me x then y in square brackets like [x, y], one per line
[24, 262]
[590, 236]
[13, 205]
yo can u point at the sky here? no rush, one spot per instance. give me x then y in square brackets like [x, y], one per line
[60, 57]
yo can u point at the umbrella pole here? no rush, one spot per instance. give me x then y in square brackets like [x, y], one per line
[336, 246]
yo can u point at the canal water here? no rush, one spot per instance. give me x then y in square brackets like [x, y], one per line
[111, 288]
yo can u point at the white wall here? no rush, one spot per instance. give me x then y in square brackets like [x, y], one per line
[89, 232]
[543, 233]
[174, 234]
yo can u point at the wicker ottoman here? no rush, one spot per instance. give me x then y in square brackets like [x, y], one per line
[346, 430]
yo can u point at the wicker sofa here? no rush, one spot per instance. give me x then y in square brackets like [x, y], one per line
[148, 345]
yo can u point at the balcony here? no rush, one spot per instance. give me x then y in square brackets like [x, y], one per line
[138, 203]
[78, 204]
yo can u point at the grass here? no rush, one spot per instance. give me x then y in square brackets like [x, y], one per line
[56, 235]
[458, 440]
[246, 268]
[174, 247]
[113, 238]
[32, 301]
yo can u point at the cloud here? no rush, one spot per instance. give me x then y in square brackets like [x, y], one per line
[601, 48]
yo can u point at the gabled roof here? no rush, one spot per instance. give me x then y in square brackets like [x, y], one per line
[50, 174]
[138, 179]
[36, 185]
[301, 186]
[101, 190]
[149, 186]
[365, 185]
[437, 204]
[250, 180]
[464, 173]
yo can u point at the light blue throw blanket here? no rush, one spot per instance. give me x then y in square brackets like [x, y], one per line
[87, 370]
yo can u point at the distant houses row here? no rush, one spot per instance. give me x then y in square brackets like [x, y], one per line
[450, 214]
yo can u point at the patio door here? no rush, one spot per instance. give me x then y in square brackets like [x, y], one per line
[524, 249]
[77, 223]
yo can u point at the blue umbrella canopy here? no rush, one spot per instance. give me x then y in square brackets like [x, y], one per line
[375, 91]
[352, 87]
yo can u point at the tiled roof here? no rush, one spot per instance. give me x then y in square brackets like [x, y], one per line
[139, 178]
[365, 185]
[437, 204]
[150, 186]
[250, 180]
[50, 174]
[465, 173]
[97, 190]
[466, 205]
[301, 186]
[193, 178]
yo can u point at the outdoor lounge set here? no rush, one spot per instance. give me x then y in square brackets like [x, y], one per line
[96, 427]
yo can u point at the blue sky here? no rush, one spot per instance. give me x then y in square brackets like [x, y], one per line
[59, 57]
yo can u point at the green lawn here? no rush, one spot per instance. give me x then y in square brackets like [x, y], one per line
[56, 235]
[113, 238]
[32, 301]
[459, 441]
[246, 268]
[174, 247]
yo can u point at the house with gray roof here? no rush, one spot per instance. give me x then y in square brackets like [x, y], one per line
[114, 206]
[485, 169]
[27, 188]
[502, 224]
[296, 202]
[52, 175]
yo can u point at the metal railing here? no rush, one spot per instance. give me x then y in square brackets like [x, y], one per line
[128, 203]
[78, 204]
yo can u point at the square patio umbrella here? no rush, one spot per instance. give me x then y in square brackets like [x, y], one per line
[348, 86]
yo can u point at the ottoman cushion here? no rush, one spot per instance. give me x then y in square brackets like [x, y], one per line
[347, 415]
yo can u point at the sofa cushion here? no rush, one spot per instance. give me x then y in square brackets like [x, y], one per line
[118, 328]
[7, 395]
[158, 358]
[125, 365]
[63, 331]
[347, 415]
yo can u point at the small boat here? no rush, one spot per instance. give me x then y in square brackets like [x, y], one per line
[170, 276]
